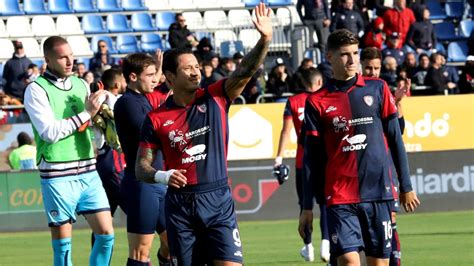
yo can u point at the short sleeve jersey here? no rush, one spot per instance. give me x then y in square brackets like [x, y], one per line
[350, 125]
[193, 137]
[294, 110]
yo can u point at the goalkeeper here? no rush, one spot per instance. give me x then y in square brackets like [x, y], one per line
[294, 112]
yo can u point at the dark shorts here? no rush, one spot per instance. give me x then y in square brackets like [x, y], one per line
[361, 226]
[395, 205]
[299, 185]
[111, 174]
[202, 226]
[144, 205]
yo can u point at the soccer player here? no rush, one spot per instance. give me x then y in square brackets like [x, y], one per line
[191, 130]
[60, 106]
[144, 203]
[351, 126]
[294, 113]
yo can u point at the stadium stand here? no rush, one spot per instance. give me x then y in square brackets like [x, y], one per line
[252, 3]
[216, 19]
[182, 5]
[466, 27]
[110, 44]
[224, 35]
[457, 51]
[194, 20]
[436, 10]
[240, 18]
[59, 7]
[7, 49]
[164, 20]
[10, 8]
[229, 48]
[117, 23]
[157, 4]
[149, 42]
[79, 45]
[249, 38]
[34, 7]
[19, 27]
[68, 25]
[93, 24]
[43, 25]
[445, 31]
[84, 6]
[3, 30]
[127, 44]
[31, 47]
[273, 3]
[454, 10]
[133, 5]
[142, 22]
[108, 6]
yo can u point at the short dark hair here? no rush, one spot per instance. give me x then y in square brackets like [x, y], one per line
[51, 42]
[170, 59]
[433, 57]
[309, 75]
[23, 139]
[110, 77]
[32, 65]
[206, 63]
[178, 15]
[370, 53]
[340, 38]
[136, 63]
[305, 60]
[422, 55]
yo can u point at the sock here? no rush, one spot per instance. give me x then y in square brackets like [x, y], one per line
[323, 223]
[102, 250]
[395, 255]
[307, 233]
[62, 252]
[162, 260]
[132, 262]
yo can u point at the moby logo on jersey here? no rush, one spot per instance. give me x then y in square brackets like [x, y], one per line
[357, 143]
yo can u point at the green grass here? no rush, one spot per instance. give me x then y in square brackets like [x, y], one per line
[427, 239]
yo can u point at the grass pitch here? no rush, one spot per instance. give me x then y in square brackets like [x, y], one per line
[427, 239]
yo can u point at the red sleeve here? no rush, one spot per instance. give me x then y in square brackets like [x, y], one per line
[148, 138]
[156, 98]
[217, 91]
[389, 107]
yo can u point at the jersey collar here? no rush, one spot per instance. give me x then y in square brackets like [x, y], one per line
[359, 83]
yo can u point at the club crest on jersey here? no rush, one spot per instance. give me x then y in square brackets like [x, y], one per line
[202, 108]
[340, 124]
[176, 136]
[334, 238]
[369, 100]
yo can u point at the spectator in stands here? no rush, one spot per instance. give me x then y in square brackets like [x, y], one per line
[15, 72]
[102, 60]
[279, 79]
[298, 80]
[410, 64]
[450, 72]
[227, 66]
[398, 19]
[374, 37]
[179, 35]
[421, 36]
[316, 18]
[392, 49]
[421, 70]
[80, 70]
[466, 81]
[215, 60]
[326, 69]
[23, 157]
[89, 77]
[436, 78]
[237, 58]
[347, 18]
[208, 76]
[371, 62]
[389, 71]
[204, 50]
[32, 73]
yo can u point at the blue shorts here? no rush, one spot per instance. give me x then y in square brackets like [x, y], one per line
[202, 226]
[64, 196]
[361, 226]
[144, 205]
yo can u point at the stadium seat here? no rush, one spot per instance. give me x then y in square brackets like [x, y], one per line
[84, 6]
[457, 51]
[127, 44]
[142, 22]
[150, 42]
[222, 36]
[454, 9]
[59, 6]
[249, 37]
[68, 25]
[7, 49]
[445, 31]
[294, 15]
[157, 4]
[3, 30]
[182, 5]
[436, 11]
[440, 48]
[10, 8]
[279, 41]
[117, 23]
[252, 3]
[228, 4]
[93, 24]
[466, 27]
[206, 4]
[216, 19]
[194, 20]
[133, 5]
[110, 44]
[31, 46]
[19, 27]
[43, 25]
[229, 48]
[34, 7]
[108, 6]
[240, 18]
[279, 2]
[201, 34]
[283, 16]
[164, 20]
[80, 46]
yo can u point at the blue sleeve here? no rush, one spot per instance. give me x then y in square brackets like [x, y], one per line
[397, 150]
[287, 112]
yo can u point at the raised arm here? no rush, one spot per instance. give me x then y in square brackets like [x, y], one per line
[252, 61]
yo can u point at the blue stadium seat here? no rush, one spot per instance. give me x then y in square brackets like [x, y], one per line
[59, 7]
[133, 5]
[93, 24]
[117, 23]
[10, 8]
[279, 2]
[466, 27]
[108, 6]
[34, 7]
[436, 11]
[454, 9]
[150, 42]
[110, 44]
[127, 44]
[253, 3]
[84, 6]
[445, 31]
[164, 20]
[229, 48]
[457, 51]
[142, 22]
[440, 48]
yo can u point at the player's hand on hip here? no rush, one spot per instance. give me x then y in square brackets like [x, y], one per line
[306, 220]
[409, 201]
[94, 102]
[262, 21]
[178, 179]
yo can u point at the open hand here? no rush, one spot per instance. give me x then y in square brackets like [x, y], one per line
[262, 21]
[409, 201]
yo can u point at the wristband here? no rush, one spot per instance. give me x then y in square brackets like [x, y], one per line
[163, 176]
[278, 160]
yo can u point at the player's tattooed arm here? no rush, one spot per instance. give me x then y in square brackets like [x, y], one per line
[256, 57]
[143, 166]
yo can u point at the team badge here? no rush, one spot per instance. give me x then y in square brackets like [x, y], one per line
[334, 238]
[202, 108]
[54, 213]
[369, 100]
